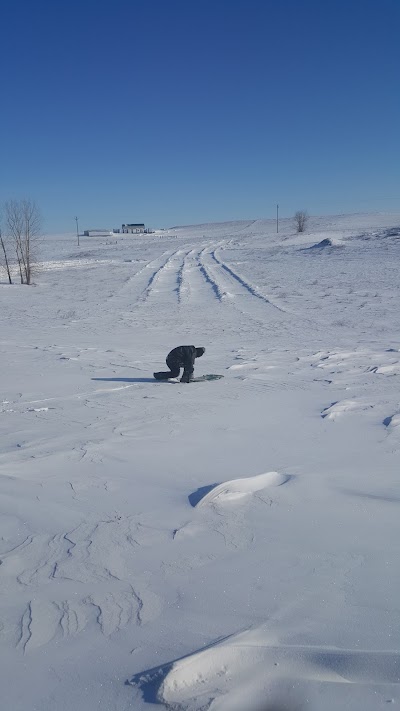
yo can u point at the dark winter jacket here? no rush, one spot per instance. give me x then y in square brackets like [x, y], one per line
[182, 357]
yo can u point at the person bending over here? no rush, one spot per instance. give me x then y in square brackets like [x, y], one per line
[181, 357]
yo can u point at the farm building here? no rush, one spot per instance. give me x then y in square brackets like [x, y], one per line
[97, 233]
[133, 228]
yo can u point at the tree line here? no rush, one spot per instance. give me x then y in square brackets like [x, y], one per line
[22, 220]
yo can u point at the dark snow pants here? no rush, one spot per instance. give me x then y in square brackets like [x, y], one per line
[174, 370]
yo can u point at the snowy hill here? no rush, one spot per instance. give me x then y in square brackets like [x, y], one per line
[220, 545]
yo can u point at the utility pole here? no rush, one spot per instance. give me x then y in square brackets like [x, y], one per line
[77, 230]
[277, 218]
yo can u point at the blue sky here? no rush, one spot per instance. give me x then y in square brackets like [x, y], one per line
[177, 112]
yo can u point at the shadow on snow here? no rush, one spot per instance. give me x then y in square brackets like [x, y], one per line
[131, 380]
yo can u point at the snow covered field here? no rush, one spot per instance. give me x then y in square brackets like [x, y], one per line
[219, 545]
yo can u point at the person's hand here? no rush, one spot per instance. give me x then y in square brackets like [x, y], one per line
[185, 379]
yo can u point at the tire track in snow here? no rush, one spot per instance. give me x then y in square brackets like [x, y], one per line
[219, 292]
[229, 289]
[149, 288]
[144, 280]
[192, 277]
[168, 278]
[253, 290]
[130, 281]
[226, 282]
[184, 290]
[172, 279]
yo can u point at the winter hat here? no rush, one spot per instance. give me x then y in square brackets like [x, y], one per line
[200, 352]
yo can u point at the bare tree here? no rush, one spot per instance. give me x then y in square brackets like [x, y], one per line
[24, 223]
[6, 262]
[301, 219]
